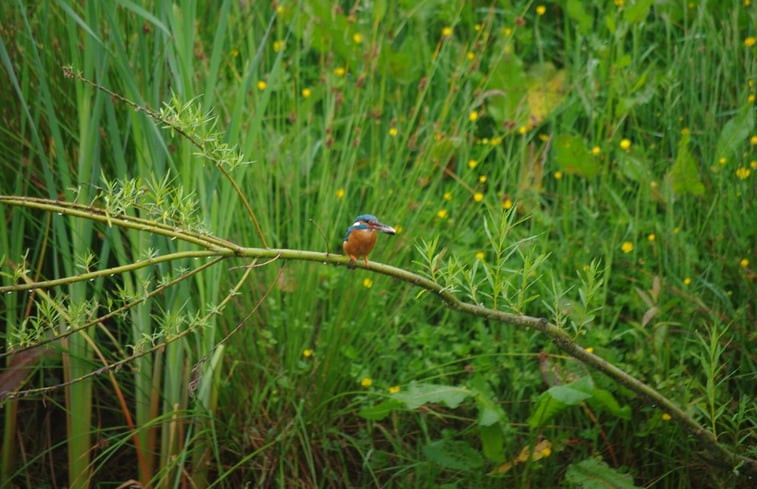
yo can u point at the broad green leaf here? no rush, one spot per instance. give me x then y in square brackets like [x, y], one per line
[455, 455]
[637, 11]
[492, 442]
[546, 91]
[489, 412]
[381, 410]
[639, 97]
[417, 395]
[399, 60]
[557, 399]
[572, 156]
[546, 408]
[507, 89]
[574, 393]
[379, 10]
[593, 473]
[734, 132]
[576, 11]
[605, 400]
[684, 172]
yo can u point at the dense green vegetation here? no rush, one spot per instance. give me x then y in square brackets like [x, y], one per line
[589, 163]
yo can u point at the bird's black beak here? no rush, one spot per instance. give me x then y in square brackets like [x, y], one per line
[379, 226]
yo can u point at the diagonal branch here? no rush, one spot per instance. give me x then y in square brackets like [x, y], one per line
[558, 336]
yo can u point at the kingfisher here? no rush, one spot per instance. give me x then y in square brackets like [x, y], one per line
[361, 236]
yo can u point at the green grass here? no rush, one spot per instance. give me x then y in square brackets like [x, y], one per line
[592, 165]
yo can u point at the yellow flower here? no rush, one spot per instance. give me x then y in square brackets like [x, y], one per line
[743, 173]
[470, 55]
[626, 247]
[477, 27]
[557, 175]
[367, 283]
[676, 230]
[358, 38]
[483, 178]
[340, 193]
[546, 451]
[596, 150]
[753, 140]
[278, 46]
[750, 98]
[307, 353]
[473, 116]
[447, 31]
[394, 389]
[507, 204]
[447, 195]
[753, 164]
[522, 130]
[393, 131]
[540, 10]
[589, 349]
[543, 137]
[495, 141]
[744, 262]
[480, 255]
[666, 417]
[507, 31]
[366, 381]
[478, 196]
[280, 9]
[687, 281]
[619, 3]
[750, 41]
[261, 85]
[340, 71]
[442, 214]
[625, 144]
[722, 160]
[651, 237]
[306, 92]
[472, 163]
[234, 53]
[399, 229]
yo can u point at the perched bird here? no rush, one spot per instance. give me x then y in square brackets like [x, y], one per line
[361, 236]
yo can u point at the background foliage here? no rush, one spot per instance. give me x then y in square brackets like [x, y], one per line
[591, 164]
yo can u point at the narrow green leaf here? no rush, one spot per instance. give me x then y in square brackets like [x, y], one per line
[455, 455]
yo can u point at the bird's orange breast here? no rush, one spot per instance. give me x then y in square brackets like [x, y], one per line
[360, 242]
